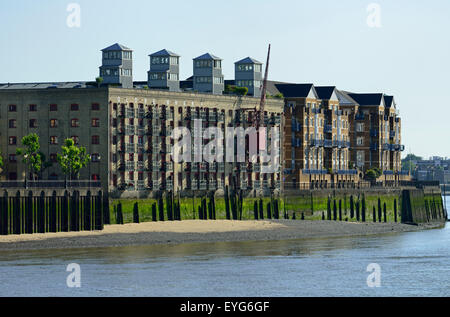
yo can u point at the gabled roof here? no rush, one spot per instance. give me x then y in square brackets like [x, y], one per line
[295, 90]
[164, 52]
[389, 101]
[345, 99]
[208, 56]
[116, 47]
[325, 92]
[248, 60]
[368, 99]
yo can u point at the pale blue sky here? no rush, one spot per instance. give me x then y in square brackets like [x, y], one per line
[323, 42]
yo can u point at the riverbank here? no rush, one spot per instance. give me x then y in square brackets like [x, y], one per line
[197, 231]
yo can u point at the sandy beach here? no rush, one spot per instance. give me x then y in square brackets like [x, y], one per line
[190, 231]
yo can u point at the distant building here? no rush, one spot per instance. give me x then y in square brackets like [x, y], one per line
[164, 71]
[248, 73]
[117, 66]
[435, 169]
[208, 76]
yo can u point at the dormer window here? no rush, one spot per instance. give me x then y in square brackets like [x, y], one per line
[203, 63]
[160, 60]
[245, 67]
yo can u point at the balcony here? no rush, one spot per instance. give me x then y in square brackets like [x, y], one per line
[391, 134]
[203, 185]
[314, 172]
[129, 113]
[328, 128]
[399, 147]
[386, 147]
[347, 172]
[317, 142]
[374, 146]
[327, 143]
[130, 148]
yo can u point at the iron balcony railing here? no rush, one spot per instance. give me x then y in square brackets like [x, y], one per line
[347, 172]
[314, 172]
[373, 146]
[44, 184]
[373, 132]
[327, 143]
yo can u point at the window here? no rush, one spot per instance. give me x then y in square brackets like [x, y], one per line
[12, 158]
[157, 76]
[74, 107]
[12, 140]
[53, 140]
[53, 176]
[95, 107]
[53, 123]
[95, 123]
[12, 123]
[359, 141]
[95, 177]
[53, 158]
[74, 123]
[203, 63]
[76, 139]
[245, 67]
[12, 176]
[33, 108]
[360, 127]
[126, 72]
[95, 139]
[12, 108]
[53, 107]
[160, 60]
[33, 123]
[95, 157]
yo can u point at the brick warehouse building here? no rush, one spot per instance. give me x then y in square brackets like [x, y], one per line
[126, 126]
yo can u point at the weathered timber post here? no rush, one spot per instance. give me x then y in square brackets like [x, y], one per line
[395, 210]
[379, 210]
[136, 212]
[269, 211]
[227, 204]
[334, 210]
[154, 219]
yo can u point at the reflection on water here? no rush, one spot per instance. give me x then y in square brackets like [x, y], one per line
[412, 264]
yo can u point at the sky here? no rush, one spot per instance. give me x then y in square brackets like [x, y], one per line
[397, 47]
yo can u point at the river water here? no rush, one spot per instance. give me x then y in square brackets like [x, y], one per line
[411, 264]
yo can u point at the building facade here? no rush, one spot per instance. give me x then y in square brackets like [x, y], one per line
[326, 136]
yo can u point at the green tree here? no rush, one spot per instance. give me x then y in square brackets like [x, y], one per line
[1, 163]
[409, 162]
[371, 174]
[241, 91]
[99, 81]
[72, 159]
[32, 156]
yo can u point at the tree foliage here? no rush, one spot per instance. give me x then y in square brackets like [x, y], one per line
[31, 154]
[73, 158]
[1, 163]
